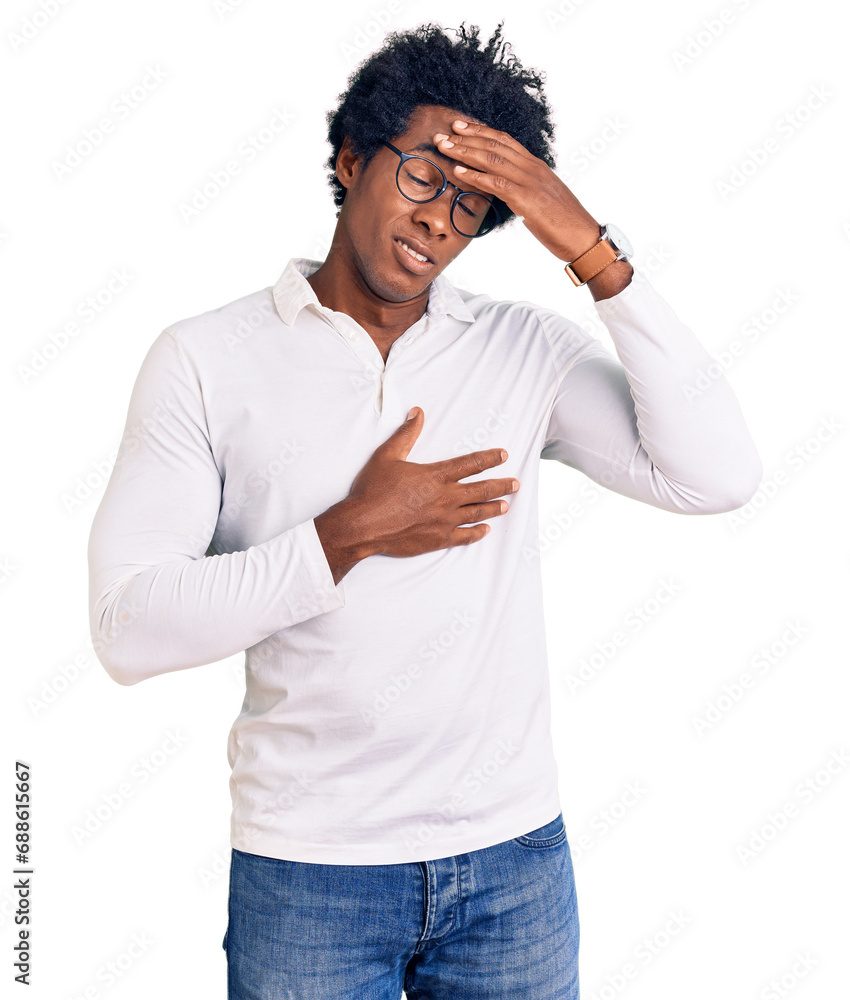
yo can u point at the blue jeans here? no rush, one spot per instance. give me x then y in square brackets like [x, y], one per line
[500, 923]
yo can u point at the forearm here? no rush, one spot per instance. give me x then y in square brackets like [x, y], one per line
[636, 428]
[188, 612]
[699, 440]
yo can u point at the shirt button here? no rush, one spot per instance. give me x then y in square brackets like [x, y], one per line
[352, 335]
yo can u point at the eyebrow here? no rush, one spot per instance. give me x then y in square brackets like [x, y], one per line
[429, 147]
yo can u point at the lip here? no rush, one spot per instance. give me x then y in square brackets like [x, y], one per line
[411, 263]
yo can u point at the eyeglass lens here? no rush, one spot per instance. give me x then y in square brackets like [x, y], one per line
[420, 180]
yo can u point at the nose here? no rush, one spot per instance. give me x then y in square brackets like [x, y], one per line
[436, 214]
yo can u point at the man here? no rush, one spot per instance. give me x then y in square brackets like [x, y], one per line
[396, 819]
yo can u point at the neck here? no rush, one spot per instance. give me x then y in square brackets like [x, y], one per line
[340, 284]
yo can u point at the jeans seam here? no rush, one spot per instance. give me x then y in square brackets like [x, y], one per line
[541, 844]
[426, 880]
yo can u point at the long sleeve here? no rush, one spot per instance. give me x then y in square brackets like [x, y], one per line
[662, 426]
[157, 601]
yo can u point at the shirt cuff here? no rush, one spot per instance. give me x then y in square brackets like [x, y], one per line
[637, 288]
[309, 587]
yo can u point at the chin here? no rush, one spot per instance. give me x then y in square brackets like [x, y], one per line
[401, 287]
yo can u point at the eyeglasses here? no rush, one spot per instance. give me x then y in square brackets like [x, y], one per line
[421, 180]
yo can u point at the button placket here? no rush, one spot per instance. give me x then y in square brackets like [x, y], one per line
[370, 357]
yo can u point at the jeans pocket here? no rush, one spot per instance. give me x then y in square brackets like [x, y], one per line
[549, 835]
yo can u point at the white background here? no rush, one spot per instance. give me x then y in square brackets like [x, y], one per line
[724, 238]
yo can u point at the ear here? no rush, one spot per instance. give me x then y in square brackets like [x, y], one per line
[347, 164]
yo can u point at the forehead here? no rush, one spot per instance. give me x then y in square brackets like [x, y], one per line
[426, 119]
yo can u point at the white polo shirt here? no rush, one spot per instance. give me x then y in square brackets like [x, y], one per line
[403, 714]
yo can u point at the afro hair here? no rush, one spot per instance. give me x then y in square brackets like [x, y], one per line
[424, 67]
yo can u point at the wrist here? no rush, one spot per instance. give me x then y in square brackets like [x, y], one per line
[604, 266]
[342, 532]
[582, 239]
[611, 280]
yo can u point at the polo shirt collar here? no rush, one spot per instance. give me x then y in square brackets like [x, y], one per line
[292, 292]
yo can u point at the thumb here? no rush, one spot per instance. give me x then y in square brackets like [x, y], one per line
[399, 443]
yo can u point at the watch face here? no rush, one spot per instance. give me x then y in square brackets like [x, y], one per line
[619, 240]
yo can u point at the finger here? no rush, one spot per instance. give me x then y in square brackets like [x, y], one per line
[486, 150]
[481, 159]
[503, 138]
[487, 489]
[481, 511]
[496, 185]
[467, 465]
[403, 438]
[466, 536]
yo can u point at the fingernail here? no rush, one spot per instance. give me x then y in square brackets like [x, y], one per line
[460, 124]
[504, 454]
[411, 413]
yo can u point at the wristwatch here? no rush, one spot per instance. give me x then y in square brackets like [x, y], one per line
[613, 245]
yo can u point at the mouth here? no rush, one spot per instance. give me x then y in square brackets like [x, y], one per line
[410, 257]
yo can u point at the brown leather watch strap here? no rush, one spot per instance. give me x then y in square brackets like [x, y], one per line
[591, 262]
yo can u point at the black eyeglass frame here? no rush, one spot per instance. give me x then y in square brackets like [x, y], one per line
[403, 157]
